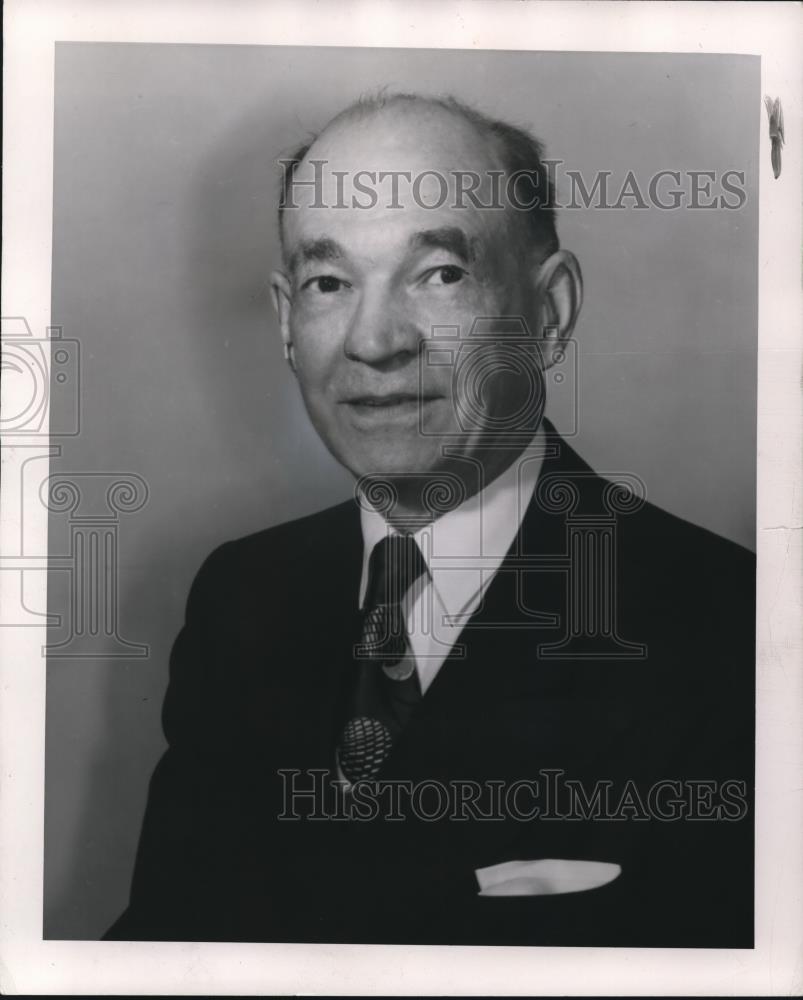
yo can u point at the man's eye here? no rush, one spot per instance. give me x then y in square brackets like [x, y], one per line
[326, 283]
[449, 274]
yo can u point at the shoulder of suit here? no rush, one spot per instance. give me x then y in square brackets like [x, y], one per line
[653, 528]
[322, 536]
[677, 569]
[649, 535]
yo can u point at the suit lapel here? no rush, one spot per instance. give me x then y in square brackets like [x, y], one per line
[310, 661]
[470, 704]
[501, 701]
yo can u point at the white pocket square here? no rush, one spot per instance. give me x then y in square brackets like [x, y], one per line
[545, 877]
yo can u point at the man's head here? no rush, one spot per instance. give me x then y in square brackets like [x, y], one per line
[409, 219]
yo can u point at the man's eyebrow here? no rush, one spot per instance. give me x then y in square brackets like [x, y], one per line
[450, 238]
[319, 249]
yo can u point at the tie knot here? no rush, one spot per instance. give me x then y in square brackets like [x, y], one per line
[395, 564]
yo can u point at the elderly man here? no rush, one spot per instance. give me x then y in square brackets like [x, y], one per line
[496, 698]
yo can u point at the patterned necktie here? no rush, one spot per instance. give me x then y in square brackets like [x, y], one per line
[387, 688]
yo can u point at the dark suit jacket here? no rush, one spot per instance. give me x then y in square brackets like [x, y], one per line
[258, 679]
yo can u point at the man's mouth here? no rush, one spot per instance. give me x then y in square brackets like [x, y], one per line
[389, 400]
[371, 411]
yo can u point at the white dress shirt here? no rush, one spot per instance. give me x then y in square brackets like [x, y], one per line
[462, 549]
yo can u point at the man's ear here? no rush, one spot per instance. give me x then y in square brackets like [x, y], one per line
[281, 296]
[558, 292]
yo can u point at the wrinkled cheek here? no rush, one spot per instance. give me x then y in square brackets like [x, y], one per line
[452, 316]
[317, 399]
[316, 376]
[318, 355]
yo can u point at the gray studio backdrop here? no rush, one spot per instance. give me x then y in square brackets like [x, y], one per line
[163, 237]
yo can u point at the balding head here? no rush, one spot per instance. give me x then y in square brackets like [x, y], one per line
[514, 175]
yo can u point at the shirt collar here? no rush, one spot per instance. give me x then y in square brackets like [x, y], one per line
[483, 525]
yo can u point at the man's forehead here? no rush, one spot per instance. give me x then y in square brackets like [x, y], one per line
[409, 174]
[415, 136]
[410, 154]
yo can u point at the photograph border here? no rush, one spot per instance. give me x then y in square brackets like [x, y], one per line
[30, 965]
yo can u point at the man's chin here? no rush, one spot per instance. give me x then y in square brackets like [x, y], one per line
[389, 466]
[391, 456]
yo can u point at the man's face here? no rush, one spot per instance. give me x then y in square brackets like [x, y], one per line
[366, 287]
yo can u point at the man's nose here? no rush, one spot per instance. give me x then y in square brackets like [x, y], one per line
[381, 332]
